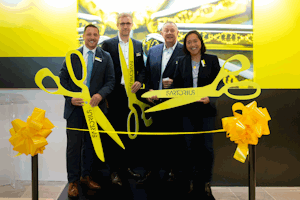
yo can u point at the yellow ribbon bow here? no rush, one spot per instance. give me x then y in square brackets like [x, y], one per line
[30, 137]
[247, 127]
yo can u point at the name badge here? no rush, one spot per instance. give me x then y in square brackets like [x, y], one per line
[98, 59]
[138, 54]
[203, 63]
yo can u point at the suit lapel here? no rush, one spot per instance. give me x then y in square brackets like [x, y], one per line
[97, 63]
[79, 68]
[159, 61]
[174, 55]
[116, 44]
[203, 57]
[189, 70]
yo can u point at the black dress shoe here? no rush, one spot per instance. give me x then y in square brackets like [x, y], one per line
[208, 193]
[115, 179]
[133, 174]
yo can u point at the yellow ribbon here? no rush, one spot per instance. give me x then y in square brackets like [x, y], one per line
[129, 79]
[246, 128]
[30, 137]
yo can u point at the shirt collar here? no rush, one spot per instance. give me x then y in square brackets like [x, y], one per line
[85, 50]
[173, 47]
[120, 40]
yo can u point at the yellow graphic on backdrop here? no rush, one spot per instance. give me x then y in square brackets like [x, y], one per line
[35, 28]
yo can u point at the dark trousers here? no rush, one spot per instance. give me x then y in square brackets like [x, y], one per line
[80, 150]
[118, 158]
[198, 152]
[164, 150]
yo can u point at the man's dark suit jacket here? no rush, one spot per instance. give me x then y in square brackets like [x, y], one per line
[153, 65]
[183, 78]
[112, 46]
[102, 79]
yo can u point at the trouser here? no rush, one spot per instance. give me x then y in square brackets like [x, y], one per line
[118, 158]
[164, 150]
[199, 154]
[80, 150]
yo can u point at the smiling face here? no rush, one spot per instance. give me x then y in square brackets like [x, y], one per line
[193, 44]
[124, 26]
[91, 37]
[169, 33]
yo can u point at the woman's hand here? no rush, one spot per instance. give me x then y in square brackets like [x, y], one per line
[204, 100]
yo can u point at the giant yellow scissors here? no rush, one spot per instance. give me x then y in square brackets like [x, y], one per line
[185, 96]
[129, 79]
[93, 115]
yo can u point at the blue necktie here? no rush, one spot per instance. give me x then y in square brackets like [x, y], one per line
[89, 68]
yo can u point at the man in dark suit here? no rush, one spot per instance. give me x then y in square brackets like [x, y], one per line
[100, 80]
[160, 68]
[117, 100]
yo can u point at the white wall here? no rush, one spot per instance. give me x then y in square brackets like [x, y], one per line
[52, 163]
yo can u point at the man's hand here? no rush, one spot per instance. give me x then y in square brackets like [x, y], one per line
[77, 101]
[151, 99]
[95, 100]
[204, 100]
[135, 87]
[167, 83]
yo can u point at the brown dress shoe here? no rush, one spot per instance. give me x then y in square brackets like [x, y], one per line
[115, 179]
[73, 190]
[90, 183]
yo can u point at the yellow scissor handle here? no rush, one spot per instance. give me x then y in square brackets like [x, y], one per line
[79, 83]
[149, 121]
[134, 112]
[225, 89]
[42, 73]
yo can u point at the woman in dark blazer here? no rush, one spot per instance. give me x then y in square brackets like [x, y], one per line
[197, 69]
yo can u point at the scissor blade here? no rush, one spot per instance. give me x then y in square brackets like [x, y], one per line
[106, 126]
[172, 103]
[151, 94]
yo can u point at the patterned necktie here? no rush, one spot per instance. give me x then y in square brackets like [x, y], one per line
[89, 68]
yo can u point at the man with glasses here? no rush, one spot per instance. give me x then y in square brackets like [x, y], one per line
[117, 100]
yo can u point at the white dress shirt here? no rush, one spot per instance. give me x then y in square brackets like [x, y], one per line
[85, 57]
[167, 53]
[125, 51]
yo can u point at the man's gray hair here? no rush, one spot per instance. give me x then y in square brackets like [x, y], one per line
[169, 22]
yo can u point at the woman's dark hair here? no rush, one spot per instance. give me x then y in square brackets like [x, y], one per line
[203, 48]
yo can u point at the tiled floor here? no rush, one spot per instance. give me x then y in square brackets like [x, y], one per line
[52, 190]
[47, 190]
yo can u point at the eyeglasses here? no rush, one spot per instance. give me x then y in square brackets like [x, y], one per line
[123, 24]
